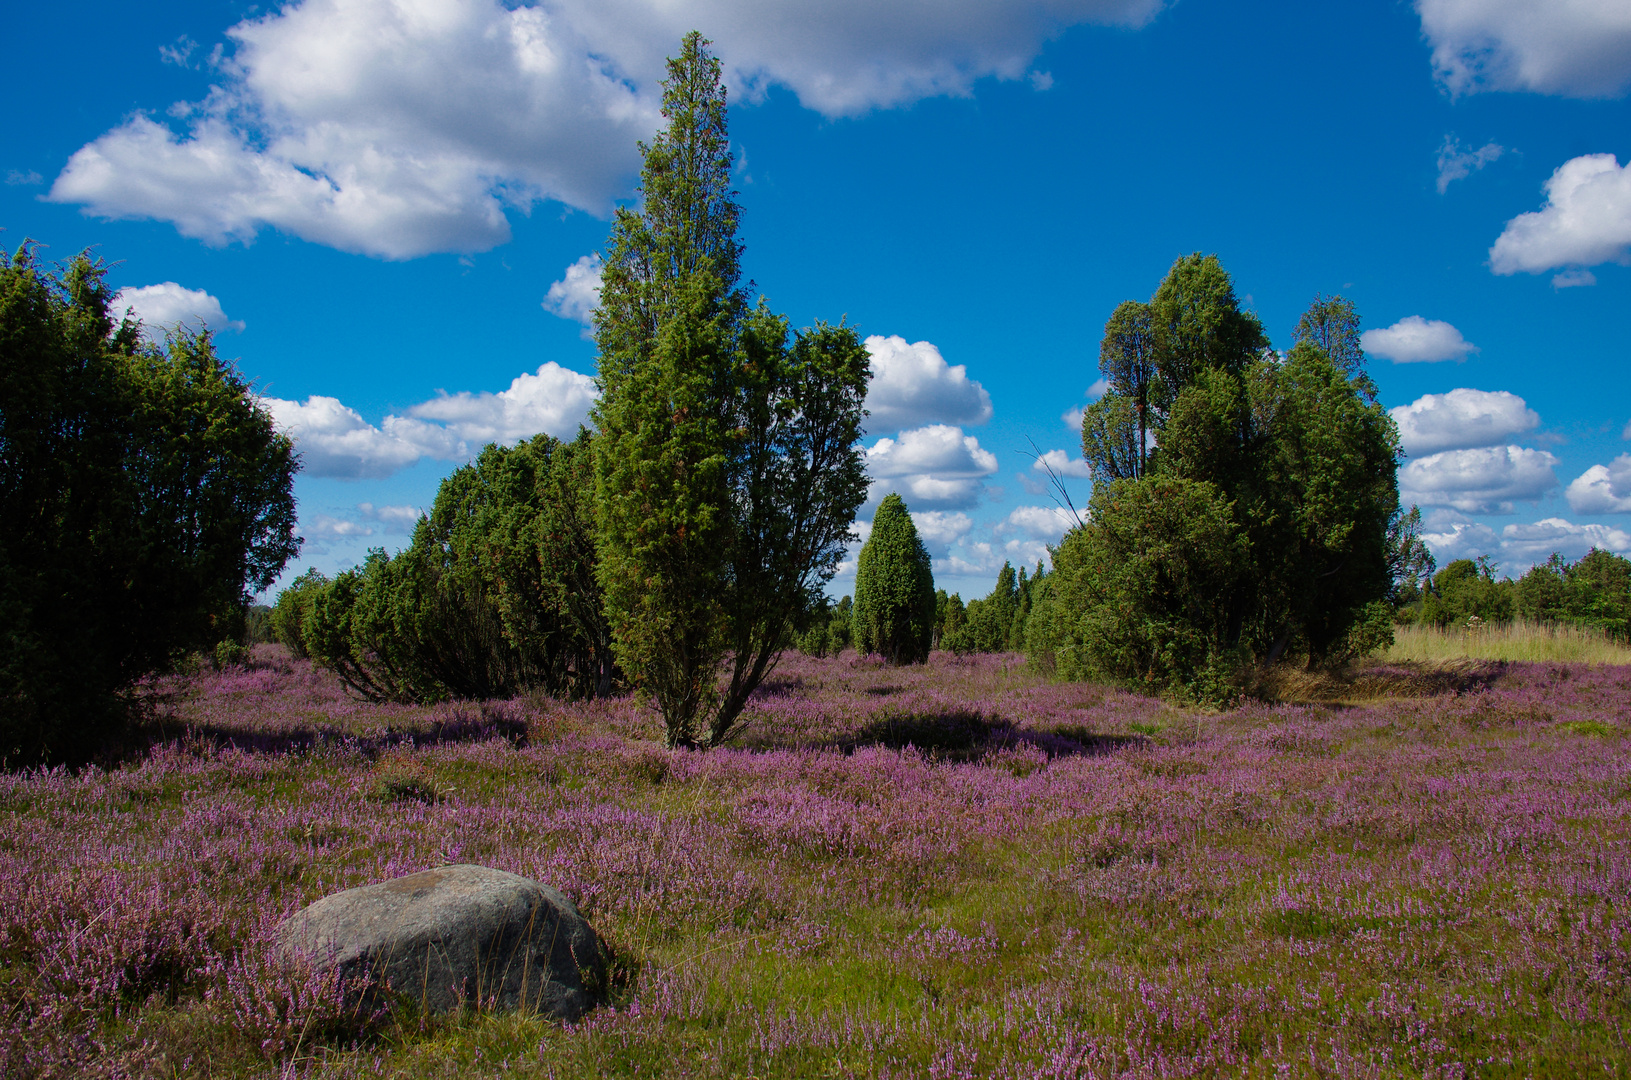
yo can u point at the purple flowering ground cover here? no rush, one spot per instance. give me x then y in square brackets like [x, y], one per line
[961, 870]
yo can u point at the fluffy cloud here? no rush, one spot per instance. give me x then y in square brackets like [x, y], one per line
[1061, 463]
[1586, 221]
[1529, 544]
[934, 468]
[1414, 340]
[394, 519]
[577, 295]
[397, 128]
[555, 400]
[1602, 489]
[335, 441]
[1042, 523]
[844, 57]
[1579, 48]
[939, 529]
[912, 385]
[1461, 420]
[1460, 540]
[328, 527]
[168, 305]
[1456, 162]
[379, 126]
[1484, 481]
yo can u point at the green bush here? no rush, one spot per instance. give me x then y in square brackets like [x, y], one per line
[894, 589]
[496, 594]
[288, 618]
[145, 496]
[1143, 591]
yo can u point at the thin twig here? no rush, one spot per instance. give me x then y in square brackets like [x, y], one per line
[1057, 491]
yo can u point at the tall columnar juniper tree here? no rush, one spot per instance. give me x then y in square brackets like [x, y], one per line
[894, 608]
[725, 464]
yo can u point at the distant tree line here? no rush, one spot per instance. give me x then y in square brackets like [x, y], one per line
[1592, 593]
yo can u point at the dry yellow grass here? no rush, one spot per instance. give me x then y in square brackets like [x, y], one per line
[1508, 641]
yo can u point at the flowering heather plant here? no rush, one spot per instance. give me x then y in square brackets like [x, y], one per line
[952, 870]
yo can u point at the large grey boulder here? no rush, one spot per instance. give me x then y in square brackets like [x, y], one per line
[454, 935]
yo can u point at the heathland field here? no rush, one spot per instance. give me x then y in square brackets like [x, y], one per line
[958, 870]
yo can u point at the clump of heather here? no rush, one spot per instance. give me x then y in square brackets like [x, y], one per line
[958, 869]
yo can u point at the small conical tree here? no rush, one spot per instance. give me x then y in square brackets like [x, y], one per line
[894, 589]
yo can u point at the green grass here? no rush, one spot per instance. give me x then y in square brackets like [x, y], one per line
[1515, 641]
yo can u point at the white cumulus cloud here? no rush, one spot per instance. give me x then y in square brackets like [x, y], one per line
[933, 468]
[394, 519]
[1041, 523]
[387, 127]
[1457, 162]
[1461, 420]
[1061, 463]
[554, 400]
[396, 128]
[1578, 48]
[167, 305]
[1482, 481]
[1586, 221]
[1602, 489]
[939, 529]
[1528, 544]
[335, 441]
[1415, 340]
[1459, 540]
[912, 385]
[329, 527]
[577, 295]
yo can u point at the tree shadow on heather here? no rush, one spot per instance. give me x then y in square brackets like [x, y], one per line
[1370, 681]
[966, 735]
[451, 722]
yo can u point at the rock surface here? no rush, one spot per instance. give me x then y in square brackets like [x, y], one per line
[454, 935]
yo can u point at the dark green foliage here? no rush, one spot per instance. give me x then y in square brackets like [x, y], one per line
[1151, 352]
[144, 497]
[841, 630]
[1292, 453]
[258, 625]
[825, 629]
[1594, 591]
[949, 616]
[726, 468]
[894, 589]
[1143, 593]
[1331, 324]
[496, 595]
[1591, 592]
[997, 622]
[1466, 588]
[289, 612]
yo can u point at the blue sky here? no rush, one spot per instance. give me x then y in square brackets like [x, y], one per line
[389, 211]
